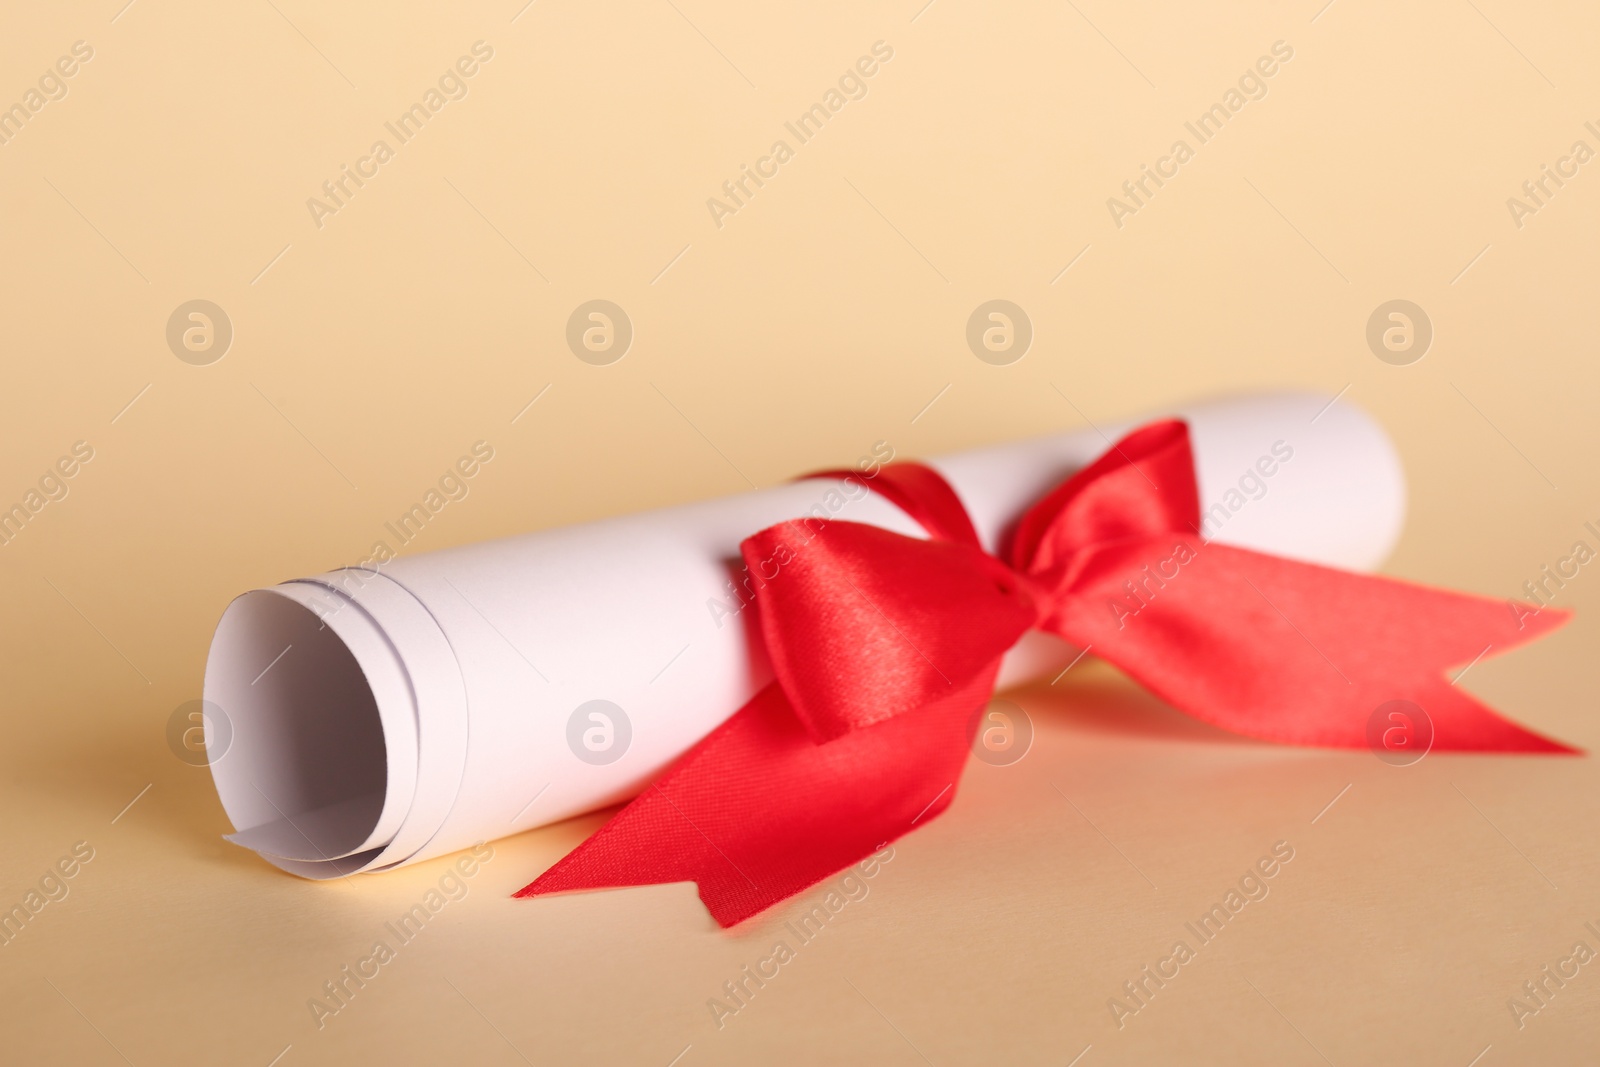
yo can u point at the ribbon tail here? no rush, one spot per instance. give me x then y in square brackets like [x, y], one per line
[1295, 652]
[758, 811]
[1463, 723]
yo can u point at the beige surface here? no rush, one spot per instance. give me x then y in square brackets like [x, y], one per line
[825, 314]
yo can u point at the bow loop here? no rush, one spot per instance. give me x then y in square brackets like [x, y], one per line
[862, 624]
[922, 493]
[1143, 486]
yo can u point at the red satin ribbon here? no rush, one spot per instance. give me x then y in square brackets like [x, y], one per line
[886, 646]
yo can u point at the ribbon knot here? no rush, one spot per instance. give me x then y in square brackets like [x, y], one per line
[886, 647]
[857, 604]
[1142, 487]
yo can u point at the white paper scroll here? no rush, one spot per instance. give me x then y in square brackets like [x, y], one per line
[379, 717]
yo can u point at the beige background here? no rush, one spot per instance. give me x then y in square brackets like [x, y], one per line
[826, 314]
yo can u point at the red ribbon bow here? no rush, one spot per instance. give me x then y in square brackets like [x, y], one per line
[885, 647]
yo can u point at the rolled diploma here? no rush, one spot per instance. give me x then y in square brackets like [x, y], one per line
[387, 715]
